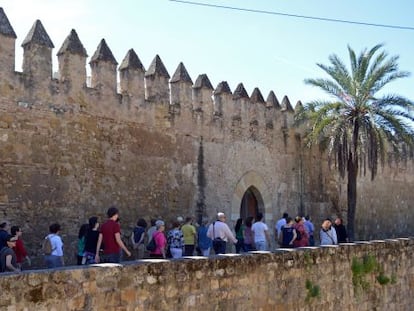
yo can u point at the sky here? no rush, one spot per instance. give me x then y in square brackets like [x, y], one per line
[267, 51]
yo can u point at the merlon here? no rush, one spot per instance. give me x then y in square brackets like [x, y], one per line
[38, 35]
[240, 92]
[131, 61]
[103, 53]
[157, 68]
[181, 75]
[5, 28]
[72, 45]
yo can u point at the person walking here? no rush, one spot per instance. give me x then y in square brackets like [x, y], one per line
[19, 249]
[328, 233]
[287, 234]
[302, 237]
[138, 237]
[203, 241]
[220, 233]
[239, 229]
[83, 230]
[248, 235]
[110, 238]
[160, 241]
[175, 240]
[310, 228]
[4, 233]
[8, 256]
[91, 240]
[279, 225]
[260, 231]
[340, 229]
[55, 258]
[190, 236]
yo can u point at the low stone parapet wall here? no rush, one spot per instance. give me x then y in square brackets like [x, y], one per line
[375, 275]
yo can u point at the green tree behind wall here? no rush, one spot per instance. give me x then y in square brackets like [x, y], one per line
[358, 125]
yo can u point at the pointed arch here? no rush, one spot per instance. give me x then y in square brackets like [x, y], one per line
[252, 180]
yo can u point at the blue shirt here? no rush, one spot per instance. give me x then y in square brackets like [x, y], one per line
[204, 242]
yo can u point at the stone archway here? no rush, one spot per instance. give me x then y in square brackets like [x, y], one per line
[252, 181]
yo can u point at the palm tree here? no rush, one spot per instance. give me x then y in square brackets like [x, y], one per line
[357, 126]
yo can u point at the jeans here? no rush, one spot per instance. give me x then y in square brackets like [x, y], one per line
[53, 261]
[111, 258]
[261, 245]
[205, 252]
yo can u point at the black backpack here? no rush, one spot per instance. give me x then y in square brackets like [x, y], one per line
[151, 246]
[298, 235]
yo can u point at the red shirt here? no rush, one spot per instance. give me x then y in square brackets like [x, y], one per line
[304, 241]
[20, 251]
[108, 230]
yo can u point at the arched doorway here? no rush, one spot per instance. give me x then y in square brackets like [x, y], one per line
[249, 204]
[251, 184]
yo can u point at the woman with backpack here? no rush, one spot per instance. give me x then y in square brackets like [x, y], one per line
[160, 241]
[53, 247]
[302, 236]
[137, 238]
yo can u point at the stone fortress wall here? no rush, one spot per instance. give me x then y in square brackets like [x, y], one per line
[376, 275]
[159, 146]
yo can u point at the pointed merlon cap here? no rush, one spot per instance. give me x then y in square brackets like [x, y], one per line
[181, 75]
[157, 68]
[298, 106]
[5, 28]
[131, 61]
[286, 104]
[203, 82]
[257, 96]
[240, 92]
[38, 35]
[103, 53]
[272, 101]
[222, 88]
[72, 45]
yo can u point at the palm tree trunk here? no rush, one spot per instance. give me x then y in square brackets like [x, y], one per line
[352, 181]
[352, 197]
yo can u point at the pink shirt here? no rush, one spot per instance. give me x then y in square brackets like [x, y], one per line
[160, 242]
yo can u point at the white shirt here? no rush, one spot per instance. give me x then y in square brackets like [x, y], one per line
[219, 229]
[57, 244]
[279, 224]
[259, 229]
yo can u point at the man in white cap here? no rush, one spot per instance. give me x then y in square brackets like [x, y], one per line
[220, 233]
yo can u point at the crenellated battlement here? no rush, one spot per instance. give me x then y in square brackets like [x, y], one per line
[128, 90]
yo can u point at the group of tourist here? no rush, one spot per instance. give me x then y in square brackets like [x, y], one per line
[103, 243]
[300, 232]
[12, 250]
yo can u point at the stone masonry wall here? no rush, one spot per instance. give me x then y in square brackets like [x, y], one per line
[133, 136]
[285, 280]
